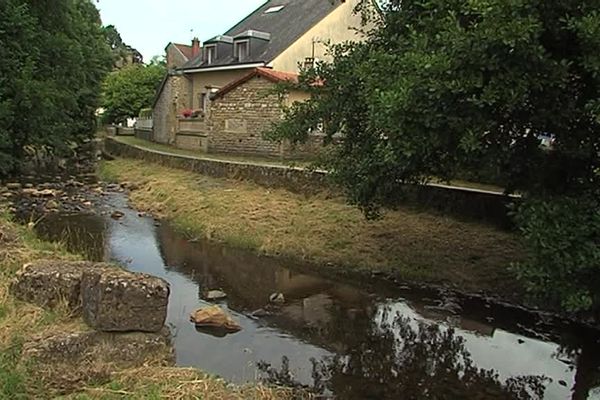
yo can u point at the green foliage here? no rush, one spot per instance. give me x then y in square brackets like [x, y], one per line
[453, 89]
[54, 58]
[122, 54]
[145, 113]
[127, 91]
[13, 383]
[563, 235]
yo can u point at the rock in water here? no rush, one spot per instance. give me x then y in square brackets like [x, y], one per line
[48, 283]
[277, 298]
[117, 215]
[52, 205]
[214, 317]
[116, 300]
[45, 193]
[213, 295]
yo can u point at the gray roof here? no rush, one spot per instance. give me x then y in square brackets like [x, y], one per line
[285, 26]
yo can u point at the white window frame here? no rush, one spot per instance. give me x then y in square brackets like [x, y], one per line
[211, 53]
[236, 49]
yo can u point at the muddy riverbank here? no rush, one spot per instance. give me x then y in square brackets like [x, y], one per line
[338, 336]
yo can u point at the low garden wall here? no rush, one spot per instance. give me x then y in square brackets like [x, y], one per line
[294, 179]
[471, 204]
[143, 133]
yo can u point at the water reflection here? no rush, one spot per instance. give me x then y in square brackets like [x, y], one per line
[377, 343]
[84, 233]
[402, 358]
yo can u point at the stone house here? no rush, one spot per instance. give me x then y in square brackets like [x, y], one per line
[224, 82]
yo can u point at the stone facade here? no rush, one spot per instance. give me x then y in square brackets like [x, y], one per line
[239, 118]
[235, 121]
[173, 98]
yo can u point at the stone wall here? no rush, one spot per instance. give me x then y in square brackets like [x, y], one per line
[239, 118]
[145, 134]
[471, 204]
[124, 131]
[173, 98]
[196, 142]
[294, 179]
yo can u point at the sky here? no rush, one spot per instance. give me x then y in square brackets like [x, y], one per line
[149, 25]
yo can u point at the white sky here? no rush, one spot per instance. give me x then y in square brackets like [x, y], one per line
[149, 25]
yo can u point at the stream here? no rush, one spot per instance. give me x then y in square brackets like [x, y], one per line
[349, 340]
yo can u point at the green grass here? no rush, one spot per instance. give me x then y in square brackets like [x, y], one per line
[323, 230]
[13, 377]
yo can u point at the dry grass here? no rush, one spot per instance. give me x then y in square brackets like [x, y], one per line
[177, 384]
[20, 321]
[323, 230]
[18, 318]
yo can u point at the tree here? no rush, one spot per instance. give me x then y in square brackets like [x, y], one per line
[404, 359]
[126, 91]
[54, 58]
[450, 89]
[123, 54]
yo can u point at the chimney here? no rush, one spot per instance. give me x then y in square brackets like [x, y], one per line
[195, 47]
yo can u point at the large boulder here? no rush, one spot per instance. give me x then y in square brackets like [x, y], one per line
[120, 301]
[48, 283]
[65, 361]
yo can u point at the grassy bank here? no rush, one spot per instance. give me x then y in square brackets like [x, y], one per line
[20, 322]
[323, 230]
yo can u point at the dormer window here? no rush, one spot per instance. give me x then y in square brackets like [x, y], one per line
[241, 49]
[210, 54]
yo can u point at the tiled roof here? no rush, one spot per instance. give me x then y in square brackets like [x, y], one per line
[267, 73]
[285, 27]
[278, 76]
[185, 50]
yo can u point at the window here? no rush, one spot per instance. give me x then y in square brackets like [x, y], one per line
[241, 50]
[211, 54]
[274, 9]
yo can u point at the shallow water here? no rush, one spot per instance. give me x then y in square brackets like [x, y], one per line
[356, 340]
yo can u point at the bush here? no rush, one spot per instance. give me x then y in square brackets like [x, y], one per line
[563, 235]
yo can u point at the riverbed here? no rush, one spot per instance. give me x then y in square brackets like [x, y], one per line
[352, 340]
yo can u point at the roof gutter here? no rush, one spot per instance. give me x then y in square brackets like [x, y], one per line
[223, 68]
